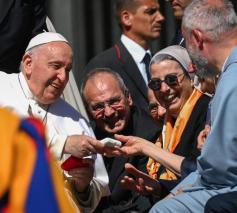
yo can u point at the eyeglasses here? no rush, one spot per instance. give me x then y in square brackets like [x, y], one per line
[170, 80]
[100, 106]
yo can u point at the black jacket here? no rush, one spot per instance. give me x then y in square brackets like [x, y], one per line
[122, 200]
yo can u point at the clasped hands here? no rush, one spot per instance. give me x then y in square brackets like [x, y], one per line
[82, 145]
[139, 181]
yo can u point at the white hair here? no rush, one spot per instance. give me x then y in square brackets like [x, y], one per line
[214, 20]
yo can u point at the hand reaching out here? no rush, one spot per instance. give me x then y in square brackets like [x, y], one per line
[141, 183]
[82, 145]
[132, 145]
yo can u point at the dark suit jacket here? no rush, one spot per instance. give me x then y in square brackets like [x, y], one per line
[119, 59]
[20, 20]
[178, 37]
[122, 200]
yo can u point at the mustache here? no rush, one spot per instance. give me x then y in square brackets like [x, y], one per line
[112, 119]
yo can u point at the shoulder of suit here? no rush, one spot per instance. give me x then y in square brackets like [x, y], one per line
[108, 58]
[108, 53]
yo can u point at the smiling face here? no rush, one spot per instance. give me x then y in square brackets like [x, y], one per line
[144, 23]
[171, 97]
[47, 70]
[178, 7]
[108, 105]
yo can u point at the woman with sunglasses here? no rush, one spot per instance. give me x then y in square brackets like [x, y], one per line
[186, 109]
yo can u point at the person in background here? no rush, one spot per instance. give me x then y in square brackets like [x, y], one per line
[20, 20]
[36, 91]
[140, 22]
[156, 110]
[178, 7]
[210, 28]
[110, 106]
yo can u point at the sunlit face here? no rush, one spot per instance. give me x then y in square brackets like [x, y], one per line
[199, 60]
[206, 76]
[107, 103]
[47, 70]
[145, 23]
[171, 97]
[178, 7]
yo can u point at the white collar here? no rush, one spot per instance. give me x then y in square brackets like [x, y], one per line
[26, 90]
[24, 86]
[134, 48]
[34, 107]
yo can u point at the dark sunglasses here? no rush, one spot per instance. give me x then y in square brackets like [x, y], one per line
[170, 80]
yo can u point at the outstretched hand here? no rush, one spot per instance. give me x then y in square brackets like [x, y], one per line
[132, 145]
[140, 182]
[82, 145]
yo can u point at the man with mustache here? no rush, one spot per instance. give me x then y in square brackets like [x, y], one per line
[210, 28]
[110, 106]
[140, 22]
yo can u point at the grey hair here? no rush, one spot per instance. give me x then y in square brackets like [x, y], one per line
[29, 52]
[214, 20]
[93, 73]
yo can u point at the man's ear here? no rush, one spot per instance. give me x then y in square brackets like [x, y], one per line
[192, 68]
[27, 64]
[129, 98]
[199, 38]
[126, 18]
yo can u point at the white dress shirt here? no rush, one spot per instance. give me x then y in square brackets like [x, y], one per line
[137, 52]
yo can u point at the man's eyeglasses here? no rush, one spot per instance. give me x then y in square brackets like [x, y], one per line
[170, 80]
[100, 106]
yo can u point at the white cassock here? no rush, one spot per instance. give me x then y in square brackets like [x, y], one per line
[61, 120]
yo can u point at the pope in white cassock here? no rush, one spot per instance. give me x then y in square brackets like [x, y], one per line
[36, 91]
